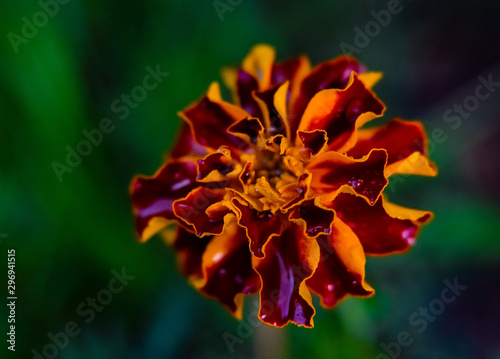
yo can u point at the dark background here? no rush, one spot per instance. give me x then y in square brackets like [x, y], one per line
[69, 235]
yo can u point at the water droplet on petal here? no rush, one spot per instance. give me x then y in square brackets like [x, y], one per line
[408, 235]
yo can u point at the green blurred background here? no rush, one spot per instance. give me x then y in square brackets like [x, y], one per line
[69, 235]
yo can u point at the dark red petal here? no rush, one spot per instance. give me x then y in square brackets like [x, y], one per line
[341, 267]
[317, 220]
[245, 85]
[313, 141]
[378, 232]
[153, 196]
[399, 138]
[248, 129]
[331, 170]
[216, 161]
[193, 210]
[228, 269]
[210, 118]
[190, 249]
[186, 145]
[289, 260]
[333, 74]
[259, 225]
[337, 112]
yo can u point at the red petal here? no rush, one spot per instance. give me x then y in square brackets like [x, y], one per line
[186, 145]
[317, 220]
[378, 232]
[289, 260]
[259, 225]
[153, 197]
[333, 74]
[331, 170]
[248, 129]
[217, 161]
[341, 112]
[246, 84]
[314, 141]
[211, 117]
[399, 138]
[341, 268]
[228, 271]
[193, 210]
[190, 249]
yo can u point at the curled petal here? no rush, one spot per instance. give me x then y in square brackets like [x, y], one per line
[153, 197]
[248, 129]
[215, 167]
[332, 74]
[341, 112]
[211, 117]
[289, 260]
[259, 225]
[331, 170]
[227, 269]
[314, 142]
[341, 268]
[380, 233]
[197, 210]
[316, 218]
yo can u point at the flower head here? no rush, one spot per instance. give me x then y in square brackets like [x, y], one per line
[281, 193]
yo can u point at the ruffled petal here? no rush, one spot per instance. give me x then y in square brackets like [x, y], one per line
[332, 74]
[216, 167]
[365, 177]
[341, 112]
[227, 269]
[248, 129]
[341, 268]
[259, 225]
[314, 142]
[211, 117]
[203, 211]
[379, 232]
[289, 260]
[315, 218]
[154, 196]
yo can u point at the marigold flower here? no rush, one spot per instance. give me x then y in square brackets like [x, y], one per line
[281, 192]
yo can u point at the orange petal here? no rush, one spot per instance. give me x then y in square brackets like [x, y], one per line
[341, 112]
[272, 103]
[333, 74]
[313, 217]
[341, 268]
